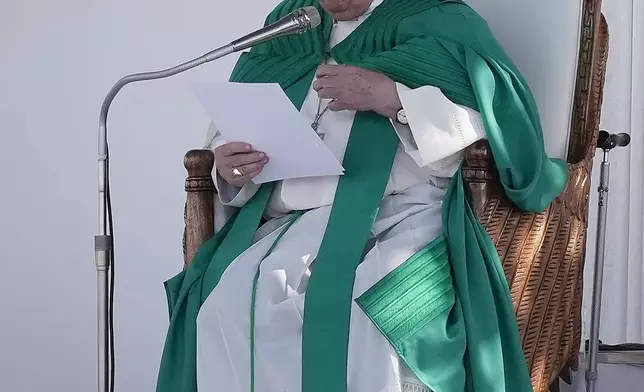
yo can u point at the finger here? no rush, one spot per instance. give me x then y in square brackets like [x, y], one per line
[227, 175]
[246, 178]
[327, 81]
[230, 177]
[232, 148]
[328, 93]
[249, 168]
[242, 159]
[319, 84]
[328, 70]
[336, 105]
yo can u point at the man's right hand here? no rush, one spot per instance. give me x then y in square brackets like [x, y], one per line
[238, 163]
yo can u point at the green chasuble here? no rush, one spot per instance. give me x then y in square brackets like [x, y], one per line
[459, 333]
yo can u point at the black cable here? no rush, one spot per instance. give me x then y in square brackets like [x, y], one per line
[110, 225]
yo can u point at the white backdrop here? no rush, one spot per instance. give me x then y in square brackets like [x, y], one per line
[57, 61]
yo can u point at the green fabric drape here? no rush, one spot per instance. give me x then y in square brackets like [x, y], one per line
[442, 43]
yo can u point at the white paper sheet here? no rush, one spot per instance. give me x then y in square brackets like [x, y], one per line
[263, 116]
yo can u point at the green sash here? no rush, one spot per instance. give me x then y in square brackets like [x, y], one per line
[443, 43]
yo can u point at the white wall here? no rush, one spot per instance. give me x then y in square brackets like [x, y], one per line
[57, 61]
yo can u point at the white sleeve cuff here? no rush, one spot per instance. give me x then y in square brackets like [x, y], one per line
[439, 130]
[231, 195]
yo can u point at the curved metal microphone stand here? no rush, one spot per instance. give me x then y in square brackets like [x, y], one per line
[297, 22]
[606, 142]
[103, 241]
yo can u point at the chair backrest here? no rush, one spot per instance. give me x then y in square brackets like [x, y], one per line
[543, 39]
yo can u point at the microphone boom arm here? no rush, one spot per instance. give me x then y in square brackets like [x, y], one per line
[139, 77]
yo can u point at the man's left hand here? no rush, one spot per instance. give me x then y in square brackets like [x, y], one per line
[353, 88]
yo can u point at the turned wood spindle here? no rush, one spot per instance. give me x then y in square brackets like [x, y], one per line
[199, 208]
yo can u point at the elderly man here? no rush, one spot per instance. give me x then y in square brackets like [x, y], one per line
[380, 280]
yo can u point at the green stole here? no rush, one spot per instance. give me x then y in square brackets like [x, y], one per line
[473, 344]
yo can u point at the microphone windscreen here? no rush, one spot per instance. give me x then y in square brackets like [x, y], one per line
[313, 15]
[623, 139]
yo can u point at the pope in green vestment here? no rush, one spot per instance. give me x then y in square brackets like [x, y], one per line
[393, 276]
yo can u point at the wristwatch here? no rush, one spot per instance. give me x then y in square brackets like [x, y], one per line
[401, 118]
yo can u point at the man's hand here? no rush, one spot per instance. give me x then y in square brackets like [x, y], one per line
[237, 163]
[353, 88]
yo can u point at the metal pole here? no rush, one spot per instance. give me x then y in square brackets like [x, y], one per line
[591, 371]
[606, 142]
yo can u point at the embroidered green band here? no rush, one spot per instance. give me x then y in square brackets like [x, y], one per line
[412, 295]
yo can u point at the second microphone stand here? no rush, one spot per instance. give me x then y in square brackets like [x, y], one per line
[606, 142]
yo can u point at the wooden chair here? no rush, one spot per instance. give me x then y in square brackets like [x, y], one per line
[543, 253]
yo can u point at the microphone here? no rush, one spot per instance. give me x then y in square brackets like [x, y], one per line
[297, 22]
[607, 141]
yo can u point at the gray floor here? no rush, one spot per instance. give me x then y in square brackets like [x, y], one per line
[611, 378]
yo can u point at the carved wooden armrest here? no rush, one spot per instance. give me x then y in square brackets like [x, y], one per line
[199, 208]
